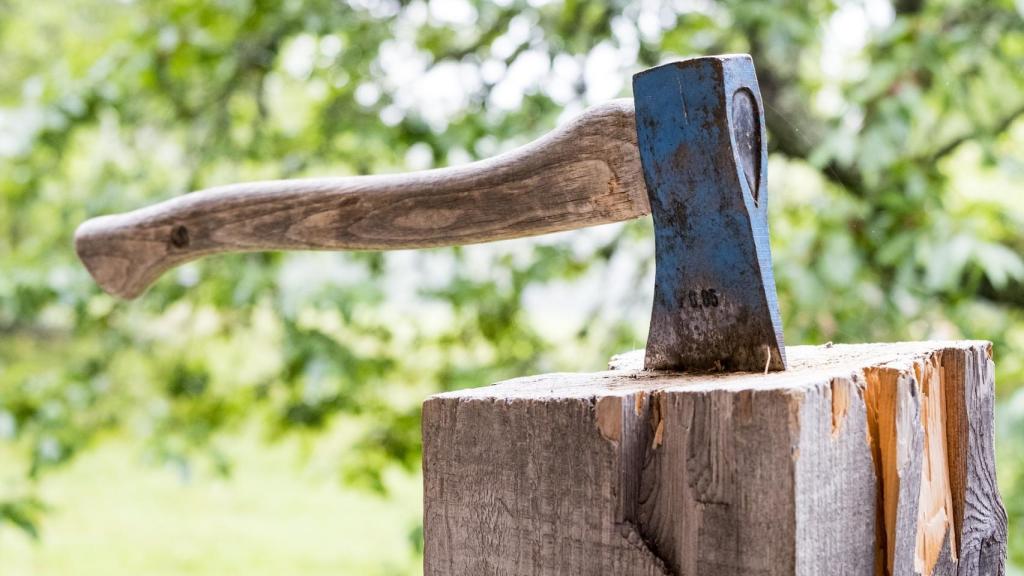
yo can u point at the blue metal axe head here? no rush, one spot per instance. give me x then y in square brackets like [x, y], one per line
[700, 129]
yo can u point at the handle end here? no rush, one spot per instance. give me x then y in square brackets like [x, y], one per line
[122, 263]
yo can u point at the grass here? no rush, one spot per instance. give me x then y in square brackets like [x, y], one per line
[277, 514]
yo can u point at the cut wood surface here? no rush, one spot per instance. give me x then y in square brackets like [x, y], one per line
[582, 174]
[860, 459]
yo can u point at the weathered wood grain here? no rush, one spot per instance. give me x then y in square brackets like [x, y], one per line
[858, 460]
[978, 513]
[585, 173]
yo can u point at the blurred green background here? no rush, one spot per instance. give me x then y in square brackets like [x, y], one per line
[260, 413]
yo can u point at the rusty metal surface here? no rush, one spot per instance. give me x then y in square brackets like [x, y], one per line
[700, 128]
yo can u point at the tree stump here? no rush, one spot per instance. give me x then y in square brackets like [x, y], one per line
[860, 459]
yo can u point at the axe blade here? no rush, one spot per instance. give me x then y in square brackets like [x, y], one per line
[700, 129]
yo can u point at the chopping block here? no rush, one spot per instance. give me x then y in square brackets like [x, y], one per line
[872, 459]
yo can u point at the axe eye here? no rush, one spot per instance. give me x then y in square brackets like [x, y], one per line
[746, 131]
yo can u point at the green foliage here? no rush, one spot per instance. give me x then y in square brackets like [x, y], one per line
[896, 206]
[23, 513]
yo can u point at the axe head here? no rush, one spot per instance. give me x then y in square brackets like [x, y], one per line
[700, 129]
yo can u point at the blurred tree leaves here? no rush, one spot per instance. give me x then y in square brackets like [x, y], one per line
[896, 204]
[24, 513]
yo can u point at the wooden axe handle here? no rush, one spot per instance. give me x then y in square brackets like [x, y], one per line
[585, 173]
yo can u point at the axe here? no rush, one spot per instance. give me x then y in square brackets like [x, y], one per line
[689, 149]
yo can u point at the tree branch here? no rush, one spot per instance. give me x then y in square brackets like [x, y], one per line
[1001, 126]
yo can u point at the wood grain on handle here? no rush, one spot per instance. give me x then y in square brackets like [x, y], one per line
[582, 174]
